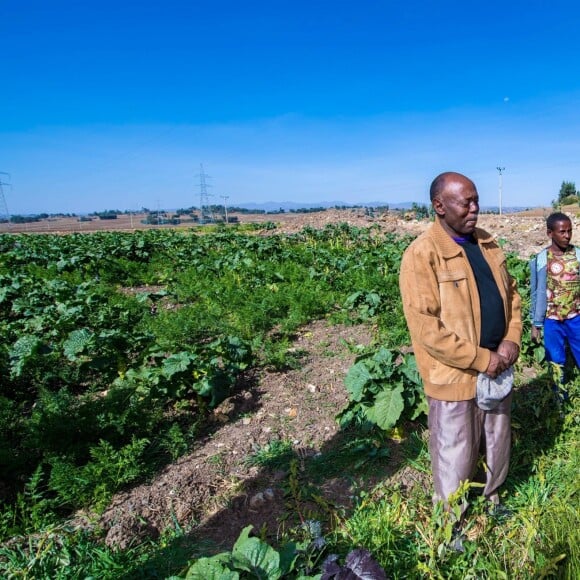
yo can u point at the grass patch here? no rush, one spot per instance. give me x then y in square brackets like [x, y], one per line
[276, 454]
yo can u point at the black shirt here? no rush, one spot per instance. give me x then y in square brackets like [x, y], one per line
[492, 309]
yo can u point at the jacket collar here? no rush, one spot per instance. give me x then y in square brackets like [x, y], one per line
[449, 247]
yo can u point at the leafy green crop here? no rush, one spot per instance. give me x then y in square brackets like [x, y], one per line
[114, 347]
[109, 338]
[249, 558]
[383, 387]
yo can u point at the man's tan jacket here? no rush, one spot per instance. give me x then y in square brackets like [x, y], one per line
[442, 308]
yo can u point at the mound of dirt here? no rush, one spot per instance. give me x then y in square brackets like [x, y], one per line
[522, 233]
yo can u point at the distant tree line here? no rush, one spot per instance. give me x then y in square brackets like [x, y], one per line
[27, 219]
[31, 218]
[108, 214]
[307, 210]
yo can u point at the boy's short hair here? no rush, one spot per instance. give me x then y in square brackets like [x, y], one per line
[556, 217]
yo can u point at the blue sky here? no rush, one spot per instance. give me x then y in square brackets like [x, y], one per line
[116, 104]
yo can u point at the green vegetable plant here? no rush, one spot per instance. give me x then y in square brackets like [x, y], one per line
[250, 557]
[384, 387]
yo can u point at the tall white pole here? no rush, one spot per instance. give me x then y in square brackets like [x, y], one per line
[225, 198]
[500, 170]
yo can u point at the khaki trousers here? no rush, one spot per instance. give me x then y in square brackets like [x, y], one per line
[458, 431]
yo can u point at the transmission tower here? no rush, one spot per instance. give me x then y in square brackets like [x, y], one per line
[206, 215]
[4, 213]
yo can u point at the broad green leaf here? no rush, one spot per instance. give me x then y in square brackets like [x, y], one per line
[256, 557]
[357, 378]
[352, 299]
[177, 363]
[348, 414]
[409, 369]
[422, 408]
[23, 350]
[387, 408]
[77, 342]
[214, 568]
[384, 356]
[288, 556]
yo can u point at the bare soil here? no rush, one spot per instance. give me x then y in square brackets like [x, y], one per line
[214, 491]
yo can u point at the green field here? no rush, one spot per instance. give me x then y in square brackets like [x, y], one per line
[116, 347]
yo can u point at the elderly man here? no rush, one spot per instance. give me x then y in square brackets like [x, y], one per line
[464, 317]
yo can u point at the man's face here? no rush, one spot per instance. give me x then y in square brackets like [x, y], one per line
[561, 234]
[458, 206]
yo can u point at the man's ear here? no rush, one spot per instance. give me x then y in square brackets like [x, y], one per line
[438, 207]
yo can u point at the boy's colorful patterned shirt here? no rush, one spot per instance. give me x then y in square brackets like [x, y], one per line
[563, 288]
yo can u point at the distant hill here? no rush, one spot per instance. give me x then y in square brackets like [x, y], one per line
[274, 206]
[270, 206]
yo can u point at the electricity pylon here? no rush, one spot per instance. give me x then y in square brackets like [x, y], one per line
[205, 213]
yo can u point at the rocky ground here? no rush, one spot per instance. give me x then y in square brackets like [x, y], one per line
[523, 233]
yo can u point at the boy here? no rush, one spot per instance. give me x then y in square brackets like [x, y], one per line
[555, 293]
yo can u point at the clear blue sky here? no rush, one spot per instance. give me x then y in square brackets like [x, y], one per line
[116, 104]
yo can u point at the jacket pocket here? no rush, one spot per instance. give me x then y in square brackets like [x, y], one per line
[456, 303]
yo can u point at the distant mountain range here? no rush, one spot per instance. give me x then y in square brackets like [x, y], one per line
[272, 206]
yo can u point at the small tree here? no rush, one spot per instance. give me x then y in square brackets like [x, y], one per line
[568, 193]
[421, 211]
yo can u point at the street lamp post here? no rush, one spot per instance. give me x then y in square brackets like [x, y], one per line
[225, 198]
[500, 171]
